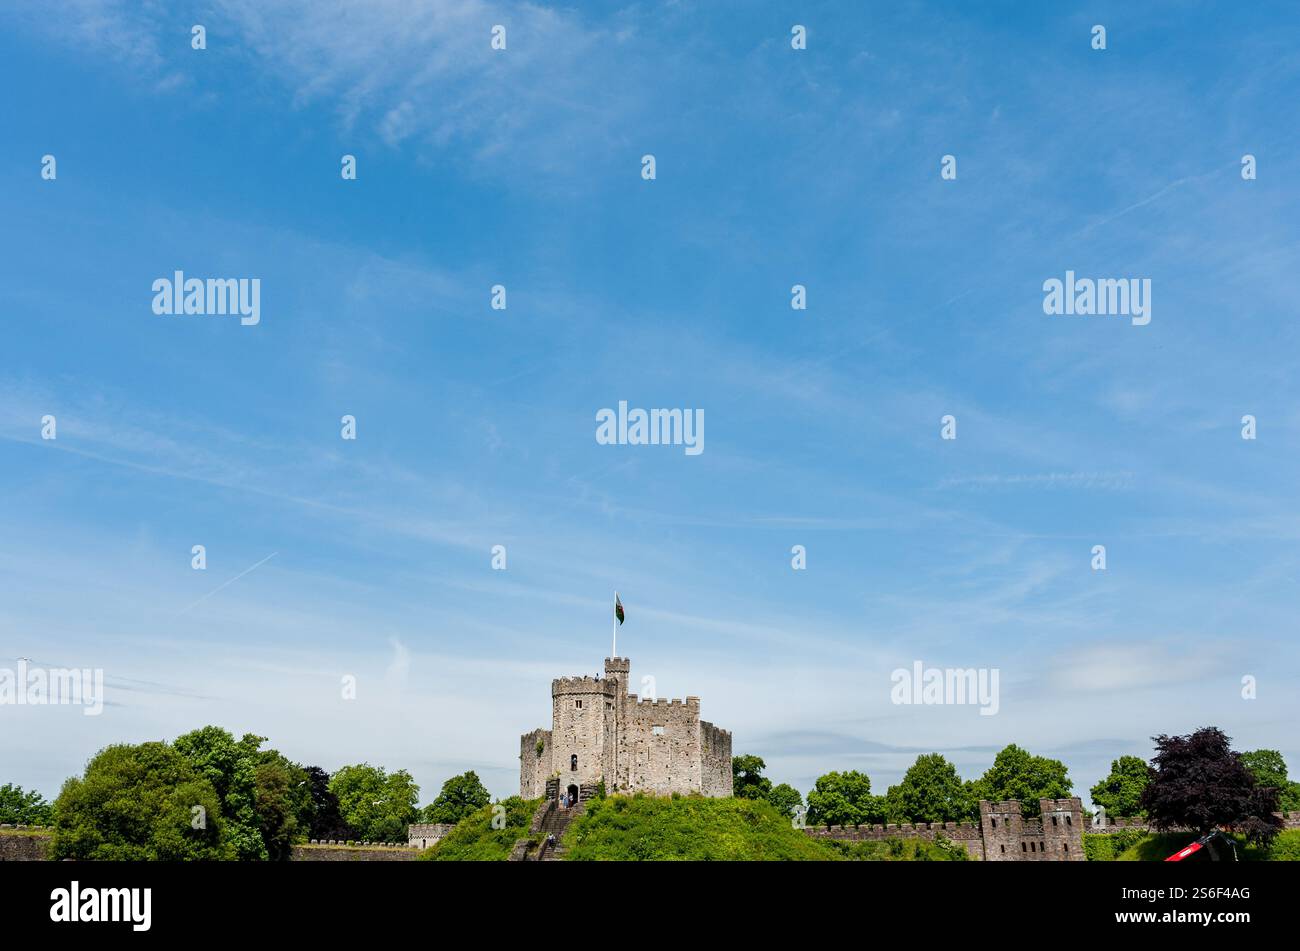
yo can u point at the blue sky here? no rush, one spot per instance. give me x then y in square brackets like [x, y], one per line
[476, 427]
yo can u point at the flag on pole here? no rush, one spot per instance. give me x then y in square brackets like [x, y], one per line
[618, 608]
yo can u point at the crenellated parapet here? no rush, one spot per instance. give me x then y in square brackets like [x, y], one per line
[568, 686]
[639, 701]
[1003, 834]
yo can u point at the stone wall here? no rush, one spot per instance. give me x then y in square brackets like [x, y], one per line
[22, 844]
[422, 835]
[661, 746]
[715, 747]
[1055, 836]
[1290, 820]
[318, 852]
[1002, 835]
[967, 834]
[534, 767]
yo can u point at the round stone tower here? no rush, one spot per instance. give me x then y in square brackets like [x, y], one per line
[582, 731]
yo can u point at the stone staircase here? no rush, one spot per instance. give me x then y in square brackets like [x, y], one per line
[549, 820]
[555, 822]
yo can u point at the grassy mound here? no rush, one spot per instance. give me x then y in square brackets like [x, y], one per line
[1109, 846]
[1139, 846]
[1286, 847]
[901, 850]
[474, 839]
[693, 828]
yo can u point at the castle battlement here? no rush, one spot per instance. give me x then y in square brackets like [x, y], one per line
[602, 733]
[1002, 835]
[660, 701]
[566, 685]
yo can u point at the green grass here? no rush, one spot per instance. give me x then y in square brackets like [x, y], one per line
[695, 828]
[901, 850]
[474, 839]
[1286, 847]
[1108, 846]
[1133, 845]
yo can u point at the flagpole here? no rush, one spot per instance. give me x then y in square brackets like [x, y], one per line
[613, 618]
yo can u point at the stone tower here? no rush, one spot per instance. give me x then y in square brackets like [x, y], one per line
[601, 732]
[1055, 836]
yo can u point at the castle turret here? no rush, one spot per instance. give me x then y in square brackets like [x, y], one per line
[620, 668]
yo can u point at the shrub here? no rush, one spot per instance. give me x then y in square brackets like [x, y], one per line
[474, 839]
[1286, 847]
[1108, 846]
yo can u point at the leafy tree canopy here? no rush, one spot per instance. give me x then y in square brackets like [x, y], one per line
[1017, 774]
[841, 799]
[747, 779]
[27, 808]
[377, 804]
[265, 799]
[326, 819]
[931, 791]
[785, 798]
[139, 803]
[1269, 769]
[461, 796]
[1201, 784]
[1120, 793]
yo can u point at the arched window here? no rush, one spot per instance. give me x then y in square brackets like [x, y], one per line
[573, 761]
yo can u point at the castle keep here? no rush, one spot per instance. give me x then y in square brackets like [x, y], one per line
[602, 733]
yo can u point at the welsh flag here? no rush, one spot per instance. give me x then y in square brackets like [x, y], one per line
[618, 608]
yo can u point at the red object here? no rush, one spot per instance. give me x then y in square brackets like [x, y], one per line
[1185, 852]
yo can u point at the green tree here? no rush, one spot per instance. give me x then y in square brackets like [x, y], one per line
[1120, 793]
[282, 803]
[1017, 774]
[785, 798]
[841, 799]
[266, 800]
[1269, 769]
[26, 808]
[460, 796]
[139, 803]
[747, 779]
[231, 767]
[378, 805]
[931, 791]
[326, 820]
